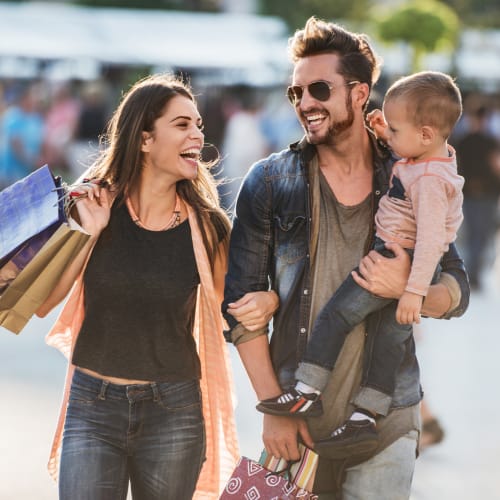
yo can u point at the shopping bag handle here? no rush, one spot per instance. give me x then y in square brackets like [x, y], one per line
[286, 469]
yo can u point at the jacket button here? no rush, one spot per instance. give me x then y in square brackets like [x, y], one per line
[306, 291]
[302, 330]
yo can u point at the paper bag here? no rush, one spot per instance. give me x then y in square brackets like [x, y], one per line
[35, 282]
[301, 472]
[29, 207]
[250, 480]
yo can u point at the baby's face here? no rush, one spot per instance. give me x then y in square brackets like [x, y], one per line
[403, 137]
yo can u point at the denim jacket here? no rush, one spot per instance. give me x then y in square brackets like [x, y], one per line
[269, 248]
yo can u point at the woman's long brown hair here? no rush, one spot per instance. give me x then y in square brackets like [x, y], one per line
[121, 160]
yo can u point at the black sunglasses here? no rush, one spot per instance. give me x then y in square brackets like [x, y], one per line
[320, 90]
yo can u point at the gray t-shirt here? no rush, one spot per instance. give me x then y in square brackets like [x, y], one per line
[342, 239]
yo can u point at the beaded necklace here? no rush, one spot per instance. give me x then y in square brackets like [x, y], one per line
[173, 221]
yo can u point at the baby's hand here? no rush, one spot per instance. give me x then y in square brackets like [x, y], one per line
[409, 307]
[377, 123]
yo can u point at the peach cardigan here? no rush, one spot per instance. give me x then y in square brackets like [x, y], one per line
[216, 377]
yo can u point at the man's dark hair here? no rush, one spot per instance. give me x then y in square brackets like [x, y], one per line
[357, 59]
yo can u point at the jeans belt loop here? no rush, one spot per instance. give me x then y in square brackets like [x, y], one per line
[102, 393]
[156, 393]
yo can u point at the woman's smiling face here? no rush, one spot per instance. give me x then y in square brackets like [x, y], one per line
[173, 147]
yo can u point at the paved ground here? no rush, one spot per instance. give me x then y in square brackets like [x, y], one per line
[459, 361]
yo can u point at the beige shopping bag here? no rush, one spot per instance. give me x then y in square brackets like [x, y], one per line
[31, 287]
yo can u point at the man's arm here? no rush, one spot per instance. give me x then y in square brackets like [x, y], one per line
[387, 277]
[279, 433]
[250, 247]
[247, 281]
[454, 277]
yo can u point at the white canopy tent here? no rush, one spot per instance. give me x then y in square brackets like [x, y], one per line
[239, 48]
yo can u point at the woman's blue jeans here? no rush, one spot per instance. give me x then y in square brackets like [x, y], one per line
[151, 435]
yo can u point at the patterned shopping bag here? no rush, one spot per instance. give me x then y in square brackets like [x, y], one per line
[300, 472]
[251, 481]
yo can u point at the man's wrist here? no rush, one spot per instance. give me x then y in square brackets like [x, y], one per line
[443, 298]
[454, 290]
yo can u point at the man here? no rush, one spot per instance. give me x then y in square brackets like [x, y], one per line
[21, 134]
[304, 219]
[478, 156]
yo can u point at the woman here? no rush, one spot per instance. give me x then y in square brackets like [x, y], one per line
[142, 326]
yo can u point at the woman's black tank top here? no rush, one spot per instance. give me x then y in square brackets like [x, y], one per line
[140, 296]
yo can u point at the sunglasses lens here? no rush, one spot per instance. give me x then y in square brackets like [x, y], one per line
[320, 91]
[294, 94]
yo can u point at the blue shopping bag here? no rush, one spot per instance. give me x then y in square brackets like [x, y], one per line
[31, 210]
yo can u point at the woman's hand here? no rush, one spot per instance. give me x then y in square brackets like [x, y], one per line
[383, 276]
[93, 204]
[255, 309]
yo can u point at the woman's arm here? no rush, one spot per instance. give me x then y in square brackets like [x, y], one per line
[255, 309]
[93, 211]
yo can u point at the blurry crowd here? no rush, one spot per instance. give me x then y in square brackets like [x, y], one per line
[256, 122]
[477, 142]
[60, 123]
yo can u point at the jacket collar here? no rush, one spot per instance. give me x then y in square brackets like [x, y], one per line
[383, 158]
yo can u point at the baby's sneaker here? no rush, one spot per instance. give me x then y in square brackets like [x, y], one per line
[293, 404]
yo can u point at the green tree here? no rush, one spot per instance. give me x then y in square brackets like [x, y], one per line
[477, 13]
[190, 5]
[425, 25]
[296, 12]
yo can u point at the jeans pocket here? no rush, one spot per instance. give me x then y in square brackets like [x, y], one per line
[180, 396]
[83, 395]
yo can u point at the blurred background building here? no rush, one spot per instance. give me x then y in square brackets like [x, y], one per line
[64, 66]
[92, 50]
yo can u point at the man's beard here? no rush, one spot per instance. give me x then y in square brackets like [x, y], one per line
[336, 128]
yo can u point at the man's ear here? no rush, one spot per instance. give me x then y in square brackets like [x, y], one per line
[427, 134]
[146, 141]
[361, 93]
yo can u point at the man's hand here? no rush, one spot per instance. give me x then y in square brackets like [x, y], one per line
[383, 276]
[255, 309]
[409, 307]
[280, 436]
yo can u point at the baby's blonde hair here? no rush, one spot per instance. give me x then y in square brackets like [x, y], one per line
[431, 98]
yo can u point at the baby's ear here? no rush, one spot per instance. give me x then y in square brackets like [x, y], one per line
[428, 134]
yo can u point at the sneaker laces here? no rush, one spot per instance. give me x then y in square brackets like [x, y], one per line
[339, 430]
[286, 398]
